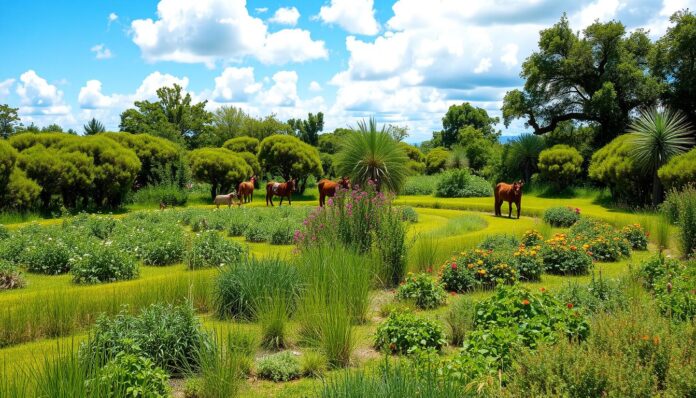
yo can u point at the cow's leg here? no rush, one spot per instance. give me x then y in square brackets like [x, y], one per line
[281, 201]
[290, 200]
[510, 210]
[518, 209]
[321, 199]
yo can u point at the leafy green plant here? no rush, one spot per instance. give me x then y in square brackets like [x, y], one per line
[528, 263]
[167, 193]
[655, 268]
[46, 251]
[561, 256]
[600, 295]
[423, 290]
[104, 263]
[636, 236]
[256, 232]
[682, 209]
[282, 233]
[404, 332]
[462, 184]
[675, 292]
[600, 240]
[562, 217]
[209, 249]
[10, 276]
[477, 268]
[499, 242]
[560, 165]
[408, 213]
[419, 185]
[282, 366]
[532, 237]
[132, 372]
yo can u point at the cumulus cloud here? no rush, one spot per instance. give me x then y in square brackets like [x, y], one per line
[38, 97]
[5, 87]
[235, 85]
[112, 17]
[286, 16]
[206, 31]
[101, 51]
[314, 86]
[354, 16]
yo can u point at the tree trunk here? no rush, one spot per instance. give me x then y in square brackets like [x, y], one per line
[213, 191]
[657, 190]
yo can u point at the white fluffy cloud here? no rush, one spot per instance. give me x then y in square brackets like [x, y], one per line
[235, 85]
[38, 97]
[206, 31]
[355, 16]
[286, 16]
[314, 86]
[101, 51]
[5, 87]
[113, 17]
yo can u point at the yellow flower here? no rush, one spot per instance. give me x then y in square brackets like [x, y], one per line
[479, 262]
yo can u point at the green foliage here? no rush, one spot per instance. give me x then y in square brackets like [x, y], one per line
[436, 160]
[404, 332]
[10, 276]
[20, 193]
[8, 120]
[273, 314]
[93, 127]
[597, 76]
[8, 158]
[209, 249]
[419, 185]
[171, 336]
[133, 373]
[600, 295]
[313, 363]
[408, 213]
[242, 144]
[561, 216]
[460, 319]
[654, 269]
[391, 246]
[466, 115]
[674, 292]
[636, 236]
[423, 290]
[288, 157]
[308, 130]
[462, 184]
[614, 167]
[601, 240]
[532, 237]
[412, 152]
[45, 251]
[679, 171]
[561, 256]
[502, 242]
[283, 366]
[372, 154]
[169, 194]
[228, 121]
[103, 263]
[560, 165]
[241, 289]
[221, 168]
[521, 156]
[528, 263]
[252, 161]
[680, 207]
[477, 269]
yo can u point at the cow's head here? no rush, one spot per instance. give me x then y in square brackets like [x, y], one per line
[517, 187]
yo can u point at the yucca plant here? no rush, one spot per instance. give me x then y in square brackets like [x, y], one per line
[523, 154]
[371, 154]
[658, 135]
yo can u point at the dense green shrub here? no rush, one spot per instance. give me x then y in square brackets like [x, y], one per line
[600, 240]
[561, 216]
[391, 245]
[171, 336]
[288, 156]
[477, 269]
[528, 263]
[131, 373]
[462, 184]
[499, 242]
[436, 160]
[256, 232]
[10, 276]
[636, 236]
[404, 332]
[420, 185]
[209, 249]
[655, 268]
[219, 167]
[169, 194]
[423, 290]
[103, 263]
[47, 251]
[282, 233]
[680, 206]
[532, 237]
[408, 213]
[600, 295]
[460, 319]
[560, 165]
[614, 166]
[675, 291]
[4, 233]
[241, 288]
[561, 256]
[242, 144]
[679, 171]
[313, 363]
[282, 366]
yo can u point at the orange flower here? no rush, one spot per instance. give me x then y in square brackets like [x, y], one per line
[656, 340]
[569, 305]
[525, 302]
[645, 337]
[543, 289]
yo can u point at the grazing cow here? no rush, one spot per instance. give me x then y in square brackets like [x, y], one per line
[508, 193]
[329, 188]
[225, 199]
[246, 190]
[282, 189]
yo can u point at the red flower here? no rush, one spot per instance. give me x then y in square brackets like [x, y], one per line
[543, 289]
[430, 270]
[569, 305]
[454, 265]
[525, 302]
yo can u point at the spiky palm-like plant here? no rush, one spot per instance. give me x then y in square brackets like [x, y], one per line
[658, 135]
[94, 126]
[369, 153]
[524, 154]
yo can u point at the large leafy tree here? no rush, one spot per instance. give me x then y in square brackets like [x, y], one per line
[174, 116]
[308, 130]
[227, 122]
[242, 144]
[465, 115]
[289, 157]
[373, 154]
[674, 60]
[266, 127]
[219, 167]
[657, 136]
[9, 120]
[599, 78]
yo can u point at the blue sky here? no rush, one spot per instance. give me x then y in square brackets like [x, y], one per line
[402, 61]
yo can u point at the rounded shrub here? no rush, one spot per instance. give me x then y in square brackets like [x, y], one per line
[282, 233]
[256, 232]
[436, 160]
[404, 332]
[242, 144]
[209, 249]
[462, 184]
[560, 165]
[103, 263]
[561, 256]
[167, 246]
[561, 216]
[423, 291]
[600, 240]
[528, 263]
[679, 171]
[477, 268]
[282, 366]
[46, 253]
[532, 237]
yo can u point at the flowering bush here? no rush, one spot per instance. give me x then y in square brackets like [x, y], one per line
[423, 290]
[602, 241]
[209, 249]
[103, 263]
[636, 236]
[655, 268]
[404, 332]
[528, 263]
[562, 256]
[532, 237]
[562, 217]
[477, 268]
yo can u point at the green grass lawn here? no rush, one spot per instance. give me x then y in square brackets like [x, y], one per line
[454, 224]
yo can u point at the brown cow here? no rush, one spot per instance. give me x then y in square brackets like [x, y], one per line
[246, 190]
[282, 189]
[508, 193]
[329, 188]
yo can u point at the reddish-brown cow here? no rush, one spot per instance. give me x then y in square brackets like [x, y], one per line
[246, 190]
[328, 188]
[508, 193]
[282, 189]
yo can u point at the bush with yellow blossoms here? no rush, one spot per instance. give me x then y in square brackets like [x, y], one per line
[563, 256]
[600, 240]
[477, 268]
[527, 262]
[636, 236]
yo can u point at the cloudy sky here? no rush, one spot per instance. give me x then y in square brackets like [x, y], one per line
[402, 61]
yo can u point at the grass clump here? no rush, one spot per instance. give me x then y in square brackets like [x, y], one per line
[209, 249]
